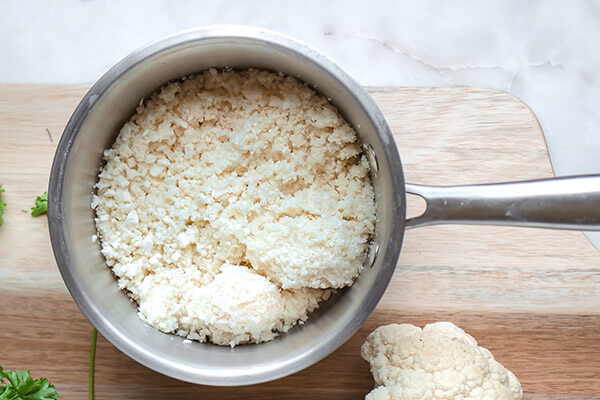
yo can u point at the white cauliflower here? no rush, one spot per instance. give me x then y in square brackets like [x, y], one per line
[238, 306]
[440, 361]
[234, 168]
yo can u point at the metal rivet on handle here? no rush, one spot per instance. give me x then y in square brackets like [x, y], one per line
[372, 157]
[372, 255]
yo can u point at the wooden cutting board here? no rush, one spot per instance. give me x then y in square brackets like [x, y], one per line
[530, 296]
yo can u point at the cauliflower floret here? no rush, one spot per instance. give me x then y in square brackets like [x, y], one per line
[440, 361]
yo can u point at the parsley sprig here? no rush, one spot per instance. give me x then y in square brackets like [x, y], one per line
[20, 385]
[41, 205]
[2, 206]
[92, 361]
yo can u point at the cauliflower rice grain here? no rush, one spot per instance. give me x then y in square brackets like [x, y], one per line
[231, 203]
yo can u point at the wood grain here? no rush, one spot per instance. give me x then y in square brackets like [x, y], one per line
[531, 296]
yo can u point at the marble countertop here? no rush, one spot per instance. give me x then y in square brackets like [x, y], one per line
[544, 52]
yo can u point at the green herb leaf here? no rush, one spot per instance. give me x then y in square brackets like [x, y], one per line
[41, 205]
[21, 386]
[2, 206]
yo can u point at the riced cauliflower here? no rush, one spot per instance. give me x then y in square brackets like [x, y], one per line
[438, 362]
[231, 203]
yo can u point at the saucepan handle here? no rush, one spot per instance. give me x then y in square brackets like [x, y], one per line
[571, 202]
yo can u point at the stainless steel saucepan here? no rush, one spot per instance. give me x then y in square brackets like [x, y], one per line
[569, 203]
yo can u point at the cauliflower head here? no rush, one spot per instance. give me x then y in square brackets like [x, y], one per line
[438, 362]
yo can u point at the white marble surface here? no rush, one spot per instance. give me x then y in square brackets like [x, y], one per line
[545, 52]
